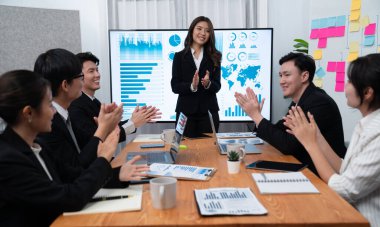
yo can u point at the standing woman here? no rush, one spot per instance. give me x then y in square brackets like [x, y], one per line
[357, 177]
[31, 191]
[196, 78]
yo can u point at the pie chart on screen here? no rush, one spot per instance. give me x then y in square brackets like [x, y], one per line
[174, 40]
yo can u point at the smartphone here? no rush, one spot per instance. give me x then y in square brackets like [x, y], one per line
[277, 166]
[152, 145]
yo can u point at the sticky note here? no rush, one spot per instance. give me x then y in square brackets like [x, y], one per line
[317, 54]
[355, 15]
[331, 22]
[318, 82]
[341, 66]
[320, 72]
[370, 29]
[369, 40]
[322, 42]
[352, 56]
[314, 34]
[339, 31]
[355, 4]
[315, 24]
[354, 46]
[323, 32]
[339, 77]
[323, 23]
[354, 26]
[331, 66]
[340, 21]
[364, 21]
[339, 86]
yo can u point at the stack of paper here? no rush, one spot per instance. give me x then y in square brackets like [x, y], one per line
[181, 171]
[283, 183]
[228, 201]
[110, 204]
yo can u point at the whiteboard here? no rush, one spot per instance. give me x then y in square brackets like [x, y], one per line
[337, 48]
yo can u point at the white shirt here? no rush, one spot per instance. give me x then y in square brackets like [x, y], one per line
[359, 178]
[36, 148]
[62, 111]
[129, 126]
[197, 62]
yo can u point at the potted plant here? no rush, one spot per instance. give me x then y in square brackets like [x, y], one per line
[233, 162]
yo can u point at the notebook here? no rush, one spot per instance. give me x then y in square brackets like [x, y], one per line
[133, 202]
[283, 183]
[168, 157]
[249, 143]
[184, 172]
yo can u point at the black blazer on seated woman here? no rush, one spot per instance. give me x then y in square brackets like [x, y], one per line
[182, 76]
[27, 195]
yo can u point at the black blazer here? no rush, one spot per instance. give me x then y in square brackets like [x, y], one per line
[182, 75]
[82, 112]
[326, 115]
[28, 197]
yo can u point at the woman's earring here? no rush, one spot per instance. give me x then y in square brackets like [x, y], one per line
[30, 120]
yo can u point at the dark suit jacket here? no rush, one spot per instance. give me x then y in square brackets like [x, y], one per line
[82, 112]
[182, 75]
[28, 197]
[327, 117]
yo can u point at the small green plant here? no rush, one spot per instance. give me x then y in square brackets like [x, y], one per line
[301, 46]
[233, 156]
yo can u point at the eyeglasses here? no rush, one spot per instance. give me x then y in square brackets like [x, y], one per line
[81, 76]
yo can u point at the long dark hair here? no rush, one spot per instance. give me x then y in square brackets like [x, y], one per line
[20, 88]
[364, 72]
[209, 46]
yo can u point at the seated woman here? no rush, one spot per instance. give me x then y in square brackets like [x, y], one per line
[357, 177]
[31, 192]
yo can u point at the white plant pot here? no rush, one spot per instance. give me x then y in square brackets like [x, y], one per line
[233, 167]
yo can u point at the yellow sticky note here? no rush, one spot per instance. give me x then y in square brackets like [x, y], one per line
[355, 15]
[352, 56]
[317, 54]
[354, 46]
[354, 26]
[318, 82]
[356, 4]
[364, 21]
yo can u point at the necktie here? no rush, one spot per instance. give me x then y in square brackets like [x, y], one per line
[68, 124]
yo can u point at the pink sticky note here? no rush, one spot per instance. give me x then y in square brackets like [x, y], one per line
[339, 31]
[322, 42]
[370, 29]
[339, 77]
[341, 66]
[323, 33]
[339, 86]
[331, 66]
[331, 31]
[314, 34]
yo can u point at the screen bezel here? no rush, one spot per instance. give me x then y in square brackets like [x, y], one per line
[276, 166]
[221, 29]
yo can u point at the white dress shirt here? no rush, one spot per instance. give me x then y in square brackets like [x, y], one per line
[36, 148]
[359, 178]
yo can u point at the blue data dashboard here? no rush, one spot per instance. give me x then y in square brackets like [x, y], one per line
[141, 69]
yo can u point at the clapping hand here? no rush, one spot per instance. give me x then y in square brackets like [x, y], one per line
[206, 79]
[129, 171]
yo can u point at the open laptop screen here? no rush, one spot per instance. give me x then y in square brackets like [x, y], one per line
[179, 129]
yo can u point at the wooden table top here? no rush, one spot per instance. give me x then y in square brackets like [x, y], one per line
[326, 208]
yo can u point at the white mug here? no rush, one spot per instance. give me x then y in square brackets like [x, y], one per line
[240, 148]
[167, 135]
[163, 192]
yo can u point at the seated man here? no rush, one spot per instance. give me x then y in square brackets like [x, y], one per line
[85, 109]
[296, 76]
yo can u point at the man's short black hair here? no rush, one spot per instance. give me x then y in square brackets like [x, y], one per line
[302, 61]
[87, 56]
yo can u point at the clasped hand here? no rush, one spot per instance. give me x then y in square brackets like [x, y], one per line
[205, 80]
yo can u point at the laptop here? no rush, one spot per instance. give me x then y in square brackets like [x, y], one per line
[166, 157]
[250, 143]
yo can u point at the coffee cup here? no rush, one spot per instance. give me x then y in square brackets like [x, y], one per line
[240, 148]
[163, 192]
[167, 135]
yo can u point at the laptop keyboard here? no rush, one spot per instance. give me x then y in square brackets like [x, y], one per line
[155, 157]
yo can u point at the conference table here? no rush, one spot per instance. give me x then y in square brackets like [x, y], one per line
[324, 209]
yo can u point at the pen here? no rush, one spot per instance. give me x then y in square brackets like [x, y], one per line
[109, 198]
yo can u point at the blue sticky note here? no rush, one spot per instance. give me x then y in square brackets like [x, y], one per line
[323, 23]
[369, 40]
[331, 22]
[315, 24]
[320, 72]
[340, 21]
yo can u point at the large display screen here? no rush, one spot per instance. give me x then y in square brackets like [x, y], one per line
[141, 69]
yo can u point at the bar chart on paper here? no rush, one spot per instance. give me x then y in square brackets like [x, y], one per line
[228, 201]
